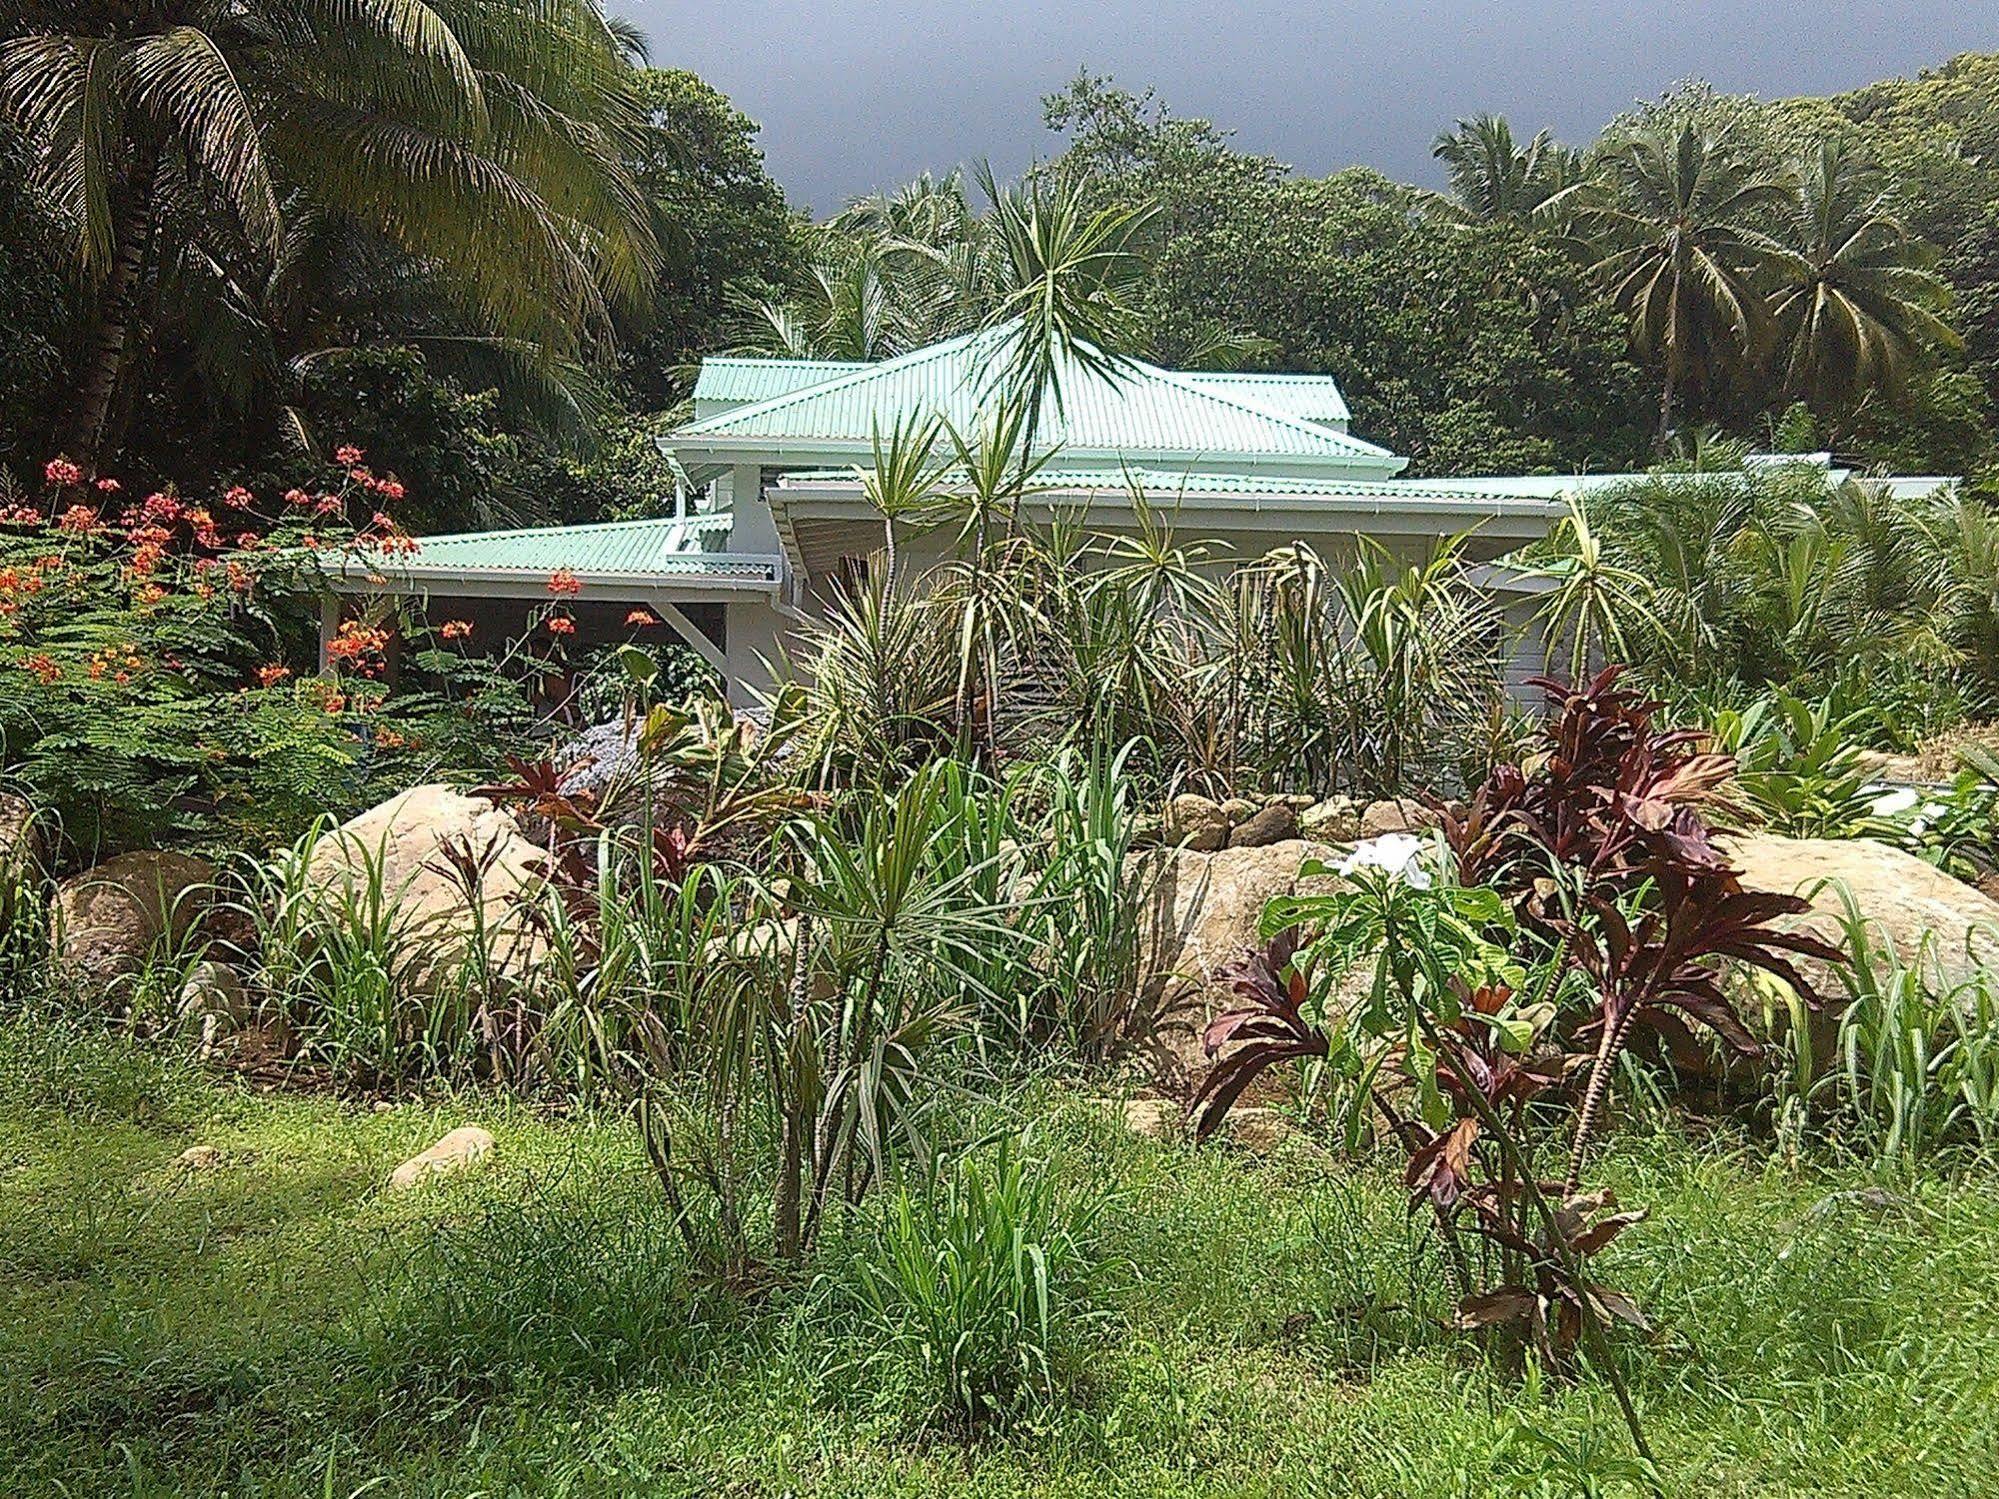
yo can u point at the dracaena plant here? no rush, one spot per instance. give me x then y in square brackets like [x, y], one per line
[1460, 1025]
[1602, 840]
[1587, 870]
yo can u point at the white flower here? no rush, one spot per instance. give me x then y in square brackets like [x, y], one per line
[1399, 854]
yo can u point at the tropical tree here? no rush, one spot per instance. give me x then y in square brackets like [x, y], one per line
[482, 140]
[1068, 274]
[1680, 248]
[1855, 297]
[1494, 180]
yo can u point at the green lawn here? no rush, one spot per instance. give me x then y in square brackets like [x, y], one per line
[1267, 1324]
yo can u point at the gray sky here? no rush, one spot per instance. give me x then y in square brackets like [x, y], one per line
[854, 96]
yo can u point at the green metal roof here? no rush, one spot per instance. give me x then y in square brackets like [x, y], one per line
[1310, 398]
[728, 381]
[669, 550]
[1146, 412]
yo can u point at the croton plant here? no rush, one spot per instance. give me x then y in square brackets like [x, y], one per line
[1483, 1012]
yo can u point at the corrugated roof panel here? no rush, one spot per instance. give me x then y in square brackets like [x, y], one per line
[1162, 484]
[1145, 410]
[668, 547]
[1310, 398]
[728, 381]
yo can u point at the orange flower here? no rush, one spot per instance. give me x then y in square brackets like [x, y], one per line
[272, 673]
[456, 629]
[564, 582]
[641, 618]
[44, 667]
[561, 624]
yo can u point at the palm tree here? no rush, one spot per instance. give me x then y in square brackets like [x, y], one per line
[1597, 610]
[1067, 274]
[904, 481]
[1494, 181]
[481, 139]
[1855, 297]
[1681, 251]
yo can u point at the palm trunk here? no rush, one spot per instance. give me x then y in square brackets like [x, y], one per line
[105, 353]
[1665, 411]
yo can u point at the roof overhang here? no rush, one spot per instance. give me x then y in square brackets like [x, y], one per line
[721, 575]
[1383, 508]
[708, 454]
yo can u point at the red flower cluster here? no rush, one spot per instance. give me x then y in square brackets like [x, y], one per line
[62, 473]
[561, 624]
[456, 629]
[359, 646]
[641, 618]
[564, 584]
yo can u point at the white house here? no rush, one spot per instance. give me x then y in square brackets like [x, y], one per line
[771, 515]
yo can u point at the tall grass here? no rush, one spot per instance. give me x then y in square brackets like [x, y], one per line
[978, 1287]
[344, 962]
[1914, 1065]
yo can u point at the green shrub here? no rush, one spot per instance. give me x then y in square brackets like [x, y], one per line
[977, 1288]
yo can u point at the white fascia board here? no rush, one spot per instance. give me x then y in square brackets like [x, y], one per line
[516, 583]
[1428, 515]
[702, 453]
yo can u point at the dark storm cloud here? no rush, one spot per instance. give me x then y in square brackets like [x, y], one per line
[855, 96]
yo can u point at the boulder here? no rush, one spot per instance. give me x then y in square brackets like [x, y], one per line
[1396, 815]
[199, 1158]
[108, 920]
[1196, 821]
[1238, 808]
[1901, 895]
[1276, 823]
[1203, 910]
[408, 837]
[1334, 820]
[463, 1147]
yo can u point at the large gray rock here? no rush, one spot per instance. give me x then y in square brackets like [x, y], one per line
[110, 919]
[1203, 910]
[411, 838]
[20, 833]
[213, 1003]
[1396, 815]
[1276, 823]
[1334, 820]
[1196, 821]
[1902, 897]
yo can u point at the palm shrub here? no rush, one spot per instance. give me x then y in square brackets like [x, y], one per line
[810, 1068]
[977, 1286]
